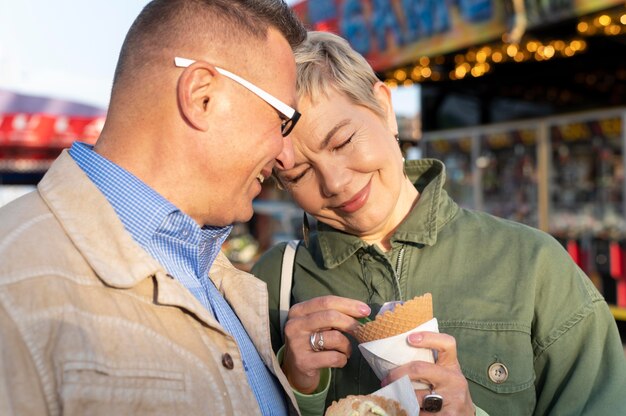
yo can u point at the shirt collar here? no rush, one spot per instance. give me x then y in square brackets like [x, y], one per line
[140, 208]
[432, 211]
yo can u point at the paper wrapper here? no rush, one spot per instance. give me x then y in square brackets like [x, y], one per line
[401, 391]
[386, 354]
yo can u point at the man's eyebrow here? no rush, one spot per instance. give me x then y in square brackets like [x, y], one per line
[331, 133]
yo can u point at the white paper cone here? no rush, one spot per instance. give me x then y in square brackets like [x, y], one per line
[386, 354]
[401, 390]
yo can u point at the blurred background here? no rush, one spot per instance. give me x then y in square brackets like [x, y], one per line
[524, 101]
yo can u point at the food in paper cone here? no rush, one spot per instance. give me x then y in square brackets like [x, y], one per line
[383, 355]
[403, 318]
[366, 405]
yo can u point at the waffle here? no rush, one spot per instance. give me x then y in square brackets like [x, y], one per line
[403, 318]
[365, 405]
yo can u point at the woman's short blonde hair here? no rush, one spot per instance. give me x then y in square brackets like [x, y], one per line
[326, 61]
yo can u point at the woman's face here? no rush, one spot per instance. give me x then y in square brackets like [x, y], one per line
[348, 170]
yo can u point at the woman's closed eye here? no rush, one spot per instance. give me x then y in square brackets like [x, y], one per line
[293, 179]
[345, 143]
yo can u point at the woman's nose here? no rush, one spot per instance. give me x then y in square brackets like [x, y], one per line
[334, 179]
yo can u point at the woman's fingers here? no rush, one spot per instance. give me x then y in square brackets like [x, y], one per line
[446, 382]
[331, 340]
[314, 338]
[335, 354]
[315, 321]
[350, 307]
[302, 364]
[444, 377]
[443, 344]
[325, 312]
[428, 373]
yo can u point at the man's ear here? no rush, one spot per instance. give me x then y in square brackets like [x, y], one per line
[383, 96]
[194, 94]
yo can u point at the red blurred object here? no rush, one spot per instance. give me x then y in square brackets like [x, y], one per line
[70, 129]
[621, 293]
[44, 131]
[616, 255]
[35, 132]
[6, 127]
[616, 258]
[573, 248]
[34, 129]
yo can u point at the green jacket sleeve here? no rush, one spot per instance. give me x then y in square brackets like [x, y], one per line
[311, 404]
[578, 355]
[582, 362]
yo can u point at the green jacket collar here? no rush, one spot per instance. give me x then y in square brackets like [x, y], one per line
[434, 209]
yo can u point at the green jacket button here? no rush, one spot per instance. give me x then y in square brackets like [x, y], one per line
[498, 373]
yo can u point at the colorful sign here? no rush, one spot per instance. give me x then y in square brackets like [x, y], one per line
[393, 32]
[390, 33]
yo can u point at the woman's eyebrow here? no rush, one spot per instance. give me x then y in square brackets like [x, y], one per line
[331, 133]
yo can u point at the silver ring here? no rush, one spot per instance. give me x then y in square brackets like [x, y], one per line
[433, 402]
[317, 345]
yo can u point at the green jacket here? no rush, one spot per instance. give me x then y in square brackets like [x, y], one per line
[509, 294]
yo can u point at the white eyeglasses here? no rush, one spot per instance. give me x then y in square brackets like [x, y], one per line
[288, 115]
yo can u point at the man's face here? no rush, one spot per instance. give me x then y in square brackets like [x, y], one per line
[348, 166]
[245, 140]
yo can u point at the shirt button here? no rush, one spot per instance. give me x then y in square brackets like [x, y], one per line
[227, 361]
[498, 373]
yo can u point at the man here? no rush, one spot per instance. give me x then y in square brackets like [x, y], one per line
[114, 298]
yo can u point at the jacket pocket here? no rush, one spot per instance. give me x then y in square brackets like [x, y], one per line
[497, 360]
[97, 387]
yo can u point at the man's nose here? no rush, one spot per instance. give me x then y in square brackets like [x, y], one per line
[285, 159]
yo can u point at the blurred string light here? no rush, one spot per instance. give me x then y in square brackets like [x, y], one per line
[480, 60]
[607, 24]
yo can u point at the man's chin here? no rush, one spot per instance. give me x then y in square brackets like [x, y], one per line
[230, 217]
[243, 214]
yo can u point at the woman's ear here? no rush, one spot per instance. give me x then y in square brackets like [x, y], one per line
[195, 94]
[383, 95]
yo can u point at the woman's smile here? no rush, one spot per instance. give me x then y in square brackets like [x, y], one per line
[357, 201]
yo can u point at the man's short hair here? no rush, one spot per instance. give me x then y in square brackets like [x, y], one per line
[169, 24]
[326, 62]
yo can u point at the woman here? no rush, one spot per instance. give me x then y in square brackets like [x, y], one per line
[523, 331]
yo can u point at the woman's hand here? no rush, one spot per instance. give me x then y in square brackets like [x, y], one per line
[328, 316]
[444, 376]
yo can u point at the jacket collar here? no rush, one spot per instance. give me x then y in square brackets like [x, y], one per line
[434, 209]
[97, 232]
[93, 226]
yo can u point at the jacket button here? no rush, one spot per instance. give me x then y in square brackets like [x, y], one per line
[498, 373]
[227, 361]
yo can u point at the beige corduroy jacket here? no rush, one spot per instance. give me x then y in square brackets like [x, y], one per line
[91, 324]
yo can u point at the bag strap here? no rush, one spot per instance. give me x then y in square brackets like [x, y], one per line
[286, 279]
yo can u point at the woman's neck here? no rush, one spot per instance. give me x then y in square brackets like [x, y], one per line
[406, 201]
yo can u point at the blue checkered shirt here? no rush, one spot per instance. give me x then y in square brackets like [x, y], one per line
[186, 251]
